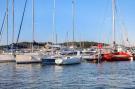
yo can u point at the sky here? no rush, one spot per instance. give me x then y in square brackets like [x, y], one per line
[93, 20]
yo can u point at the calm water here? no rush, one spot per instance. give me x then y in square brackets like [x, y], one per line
[120, 75]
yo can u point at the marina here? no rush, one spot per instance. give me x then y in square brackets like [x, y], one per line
[73, 54]
[63, 45]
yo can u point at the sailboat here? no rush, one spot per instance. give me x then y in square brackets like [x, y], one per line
[71, 57]
[8, 56]
[32, 57]
[116, 55]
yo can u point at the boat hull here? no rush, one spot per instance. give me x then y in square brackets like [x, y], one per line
[6, 58]
[116, 57]
[48, 61]
[28, 58]
[68, 61]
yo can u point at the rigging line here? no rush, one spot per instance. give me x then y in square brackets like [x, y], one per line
[21, 22]
[104, 21]
[1, 31]
[3, 24]
[117, 13]
[123, 29]
[1, 35]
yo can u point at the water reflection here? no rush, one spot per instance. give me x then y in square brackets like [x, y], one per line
[115, 75]
[58, 68]
[84, 76]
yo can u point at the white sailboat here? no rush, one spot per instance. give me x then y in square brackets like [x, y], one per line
[8, 56]
[70, 59]
[32, 57]
[118, 53]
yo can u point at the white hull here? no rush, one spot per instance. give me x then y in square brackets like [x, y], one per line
[89, 57]
[28, 58]
[7, 58]
[68, 60]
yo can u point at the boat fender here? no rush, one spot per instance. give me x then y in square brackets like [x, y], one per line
[131, 58]
[78, 53]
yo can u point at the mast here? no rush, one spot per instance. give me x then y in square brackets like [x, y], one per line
[56, 38]
[13, 20]
[113, 23]
[67, 39]
[33, 23]
[73, 19]
[7, 21]
[53, 25]
[53, 28]
[13, 24]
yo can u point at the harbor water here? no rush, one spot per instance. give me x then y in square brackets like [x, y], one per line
[114, 75]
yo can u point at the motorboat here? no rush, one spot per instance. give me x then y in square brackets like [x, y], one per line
[70, 57]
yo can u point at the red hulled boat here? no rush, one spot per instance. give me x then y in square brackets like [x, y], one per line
[117, 56]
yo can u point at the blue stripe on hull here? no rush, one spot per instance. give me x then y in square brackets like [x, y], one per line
[48, 61]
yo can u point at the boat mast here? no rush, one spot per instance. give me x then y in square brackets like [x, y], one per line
[13, 23]
[67, 39]
[73, 19]
[33, 23]
[56, 38]
[113, 23]
[7, 21]
[53, 24]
